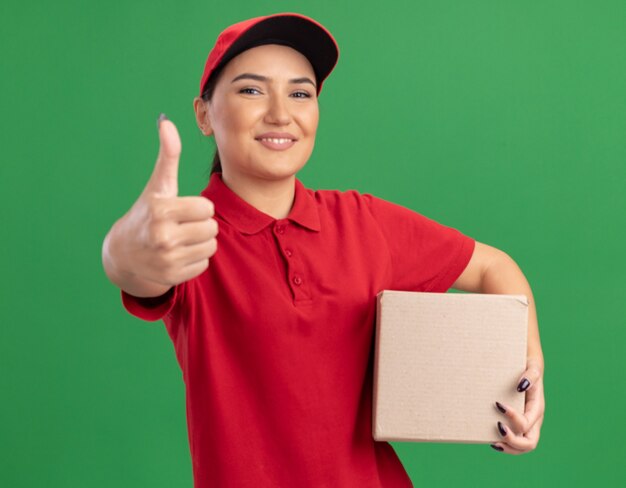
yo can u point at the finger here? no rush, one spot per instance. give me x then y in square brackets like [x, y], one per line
[521, 423]
[191, 209]
[185, 273]
[194, 269]
[519, 442]
[506, 449]
[522, 444]
[518, 422]
[535, 402]
[533, 372]
[197, 232]
[189, 255]
[164, 178]
[187, 262]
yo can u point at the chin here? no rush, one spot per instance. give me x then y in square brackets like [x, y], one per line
[279, 175]
[281, 171]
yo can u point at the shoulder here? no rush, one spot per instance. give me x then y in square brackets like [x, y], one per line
[340, 199]
[360, 204]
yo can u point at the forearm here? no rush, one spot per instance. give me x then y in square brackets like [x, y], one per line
[504, 276]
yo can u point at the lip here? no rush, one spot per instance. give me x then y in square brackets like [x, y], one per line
[277, 135]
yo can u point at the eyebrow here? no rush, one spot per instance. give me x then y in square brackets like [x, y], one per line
[252, 76]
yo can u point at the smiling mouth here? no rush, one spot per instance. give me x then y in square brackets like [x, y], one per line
[275, 140]
[276, 143]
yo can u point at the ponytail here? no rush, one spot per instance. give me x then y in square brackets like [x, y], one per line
[207, 93]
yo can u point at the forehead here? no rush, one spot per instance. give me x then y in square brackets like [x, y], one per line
[271, 58]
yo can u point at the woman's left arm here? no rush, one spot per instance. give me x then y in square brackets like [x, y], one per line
[493, 271]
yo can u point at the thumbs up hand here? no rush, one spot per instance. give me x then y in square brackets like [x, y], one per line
[164, 239]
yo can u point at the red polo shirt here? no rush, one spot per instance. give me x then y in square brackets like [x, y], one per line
[275, 338]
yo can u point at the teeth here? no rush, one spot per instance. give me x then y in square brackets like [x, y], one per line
[276, 141]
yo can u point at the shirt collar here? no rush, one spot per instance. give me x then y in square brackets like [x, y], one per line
[248, 219]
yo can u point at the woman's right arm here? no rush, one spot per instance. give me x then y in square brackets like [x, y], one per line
[164, 239]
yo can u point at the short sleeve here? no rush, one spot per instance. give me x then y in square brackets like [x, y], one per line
[151, 308]
[425, 255]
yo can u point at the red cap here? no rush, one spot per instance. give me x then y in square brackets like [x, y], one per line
[294, 30]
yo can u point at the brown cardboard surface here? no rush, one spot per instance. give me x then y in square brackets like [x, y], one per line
[441, 362]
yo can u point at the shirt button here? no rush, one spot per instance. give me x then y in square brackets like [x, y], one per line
[288, 252]
[280, 229]
[297, 280]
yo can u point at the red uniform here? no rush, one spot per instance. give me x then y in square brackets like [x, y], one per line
[275, 338]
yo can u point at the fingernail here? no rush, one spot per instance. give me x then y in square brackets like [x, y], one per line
[523, 385]
[497, 448]
[161, 117]
[500, 407]
[502, 429]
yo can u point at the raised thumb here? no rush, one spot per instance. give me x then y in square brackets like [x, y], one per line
[164, 179]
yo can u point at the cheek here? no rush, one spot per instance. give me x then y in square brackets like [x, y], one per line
[312, 121]
[232, 125]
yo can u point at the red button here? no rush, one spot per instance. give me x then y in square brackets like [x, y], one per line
[297, 280]
[280, 229]
[288, 252]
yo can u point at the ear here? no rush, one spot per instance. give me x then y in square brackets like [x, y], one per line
[200, 107]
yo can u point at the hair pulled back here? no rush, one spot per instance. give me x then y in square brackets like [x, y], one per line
[207, 94]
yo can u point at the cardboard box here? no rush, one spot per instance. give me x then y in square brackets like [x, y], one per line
[441, 362]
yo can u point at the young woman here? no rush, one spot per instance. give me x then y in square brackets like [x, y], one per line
[273, 329]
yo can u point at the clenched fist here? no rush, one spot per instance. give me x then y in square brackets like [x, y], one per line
[164, 239]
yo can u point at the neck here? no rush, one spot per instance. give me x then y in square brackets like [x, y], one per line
[272, 197]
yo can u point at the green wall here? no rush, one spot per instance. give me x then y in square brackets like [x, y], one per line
[506, 120]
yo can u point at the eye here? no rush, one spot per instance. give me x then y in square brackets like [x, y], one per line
[301, 94]
[249, 91]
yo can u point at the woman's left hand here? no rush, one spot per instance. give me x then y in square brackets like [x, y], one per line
[520, 432]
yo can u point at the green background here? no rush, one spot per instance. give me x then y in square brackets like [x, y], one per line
[506, 120]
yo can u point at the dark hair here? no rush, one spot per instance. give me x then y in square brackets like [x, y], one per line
[207, 94]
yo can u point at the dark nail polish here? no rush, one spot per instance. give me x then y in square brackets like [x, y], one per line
[497, 448]
[500, 407]
[501, 429]
[523, 385]
[161, 117]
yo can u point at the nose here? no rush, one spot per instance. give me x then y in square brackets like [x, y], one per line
[277, 111]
